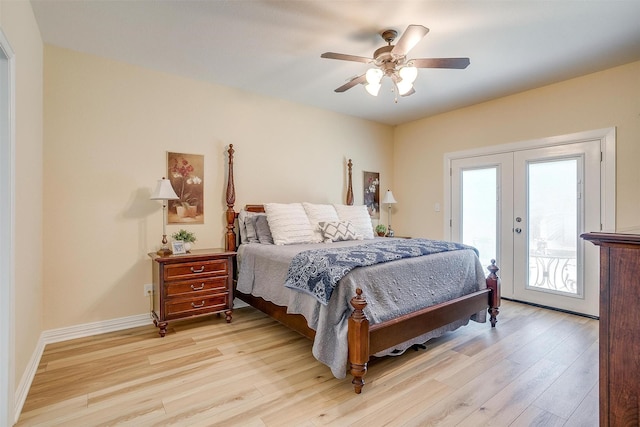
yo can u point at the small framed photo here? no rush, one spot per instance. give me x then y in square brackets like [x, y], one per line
[177, 247]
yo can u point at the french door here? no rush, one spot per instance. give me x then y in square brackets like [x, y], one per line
[527, 209]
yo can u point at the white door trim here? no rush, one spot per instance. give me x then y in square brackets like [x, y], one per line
[7, 233]
[607, 138]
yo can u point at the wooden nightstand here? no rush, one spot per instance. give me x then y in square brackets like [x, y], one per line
[198, 283]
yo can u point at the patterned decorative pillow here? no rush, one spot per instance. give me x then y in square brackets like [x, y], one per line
[288, 223]
[358, 215]
[317, 213]
[336, 231]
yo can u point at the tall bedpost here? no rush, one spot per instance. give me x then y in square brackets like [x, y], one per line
[349, 184]
[358, 337]
[493, 283]
[230, 243]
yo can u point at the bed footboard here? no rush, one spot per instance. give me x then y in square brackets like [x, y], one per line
[365, 340]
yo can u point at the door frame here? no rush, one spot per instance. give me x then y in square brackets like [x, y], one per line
[607, 138]
[7, 231]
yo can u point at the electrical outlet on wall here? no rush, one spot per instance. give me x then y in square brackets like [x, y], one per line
[148, 289]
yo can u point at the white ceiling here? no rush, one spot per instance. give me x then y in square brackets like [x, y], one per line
[273, 47]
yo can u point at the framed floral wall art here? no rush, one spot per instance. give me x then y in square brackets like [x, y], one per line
[371, 183]
[186, 173]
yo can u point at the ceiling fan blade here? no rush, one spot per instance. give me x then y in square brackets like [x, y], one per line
[351, 83]
[458, 63]
[344, 57]
[411, 36]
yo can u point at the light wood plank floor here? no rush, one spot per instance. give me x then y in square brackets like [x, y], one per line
[536, 368]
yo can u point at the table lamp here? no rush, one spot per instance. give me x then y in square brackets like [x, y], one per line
[164, 191]
[389, 200]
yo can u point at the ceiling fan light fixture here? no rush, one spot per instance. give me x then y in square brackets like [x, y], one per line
[373, 76]
[408, 74]
[404, 86]
[373, 88]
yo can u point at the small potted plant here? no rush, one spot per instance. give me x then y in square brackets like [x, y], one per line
[381, 230]
[186, 236]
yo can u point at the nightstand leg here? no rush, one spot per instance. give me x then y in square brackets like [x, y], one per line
[163, 328]
[228, 314]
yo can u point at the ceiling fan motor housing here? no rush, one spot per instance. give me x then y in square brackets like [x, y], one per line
[384, 55]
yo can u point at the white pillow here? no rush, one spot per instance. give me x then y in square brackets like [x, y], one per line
[317, 214]
[288, 223]
[358, 215]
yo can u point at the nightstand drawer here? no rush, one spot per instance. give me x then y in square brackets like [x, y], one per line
[180, 308]
[189, 270]
[208, 285]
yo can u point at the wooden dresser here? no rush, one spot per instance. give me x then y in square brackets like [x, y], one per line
[194, 284]
[619, 328]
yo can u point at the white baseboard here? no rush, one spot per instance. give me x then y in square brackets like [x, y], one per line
[27, 378]
[65, 334]
[95, 328]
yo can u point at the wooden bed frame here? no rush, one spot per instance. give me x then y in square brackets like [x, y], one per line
[365, 340]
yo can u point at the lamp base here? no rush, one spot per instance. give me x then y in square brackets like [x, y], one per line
[164, 251]
[390, 233]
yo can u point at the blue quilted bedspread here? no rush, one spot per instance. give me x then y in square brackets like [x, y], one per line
[318, 271]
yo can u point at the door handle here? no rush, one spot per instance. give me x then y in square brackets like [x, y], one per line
[518, 230]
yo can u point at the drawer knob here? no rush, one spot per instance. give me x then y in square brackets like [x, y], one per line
[200, 270]
[194, 305]
[193, 288]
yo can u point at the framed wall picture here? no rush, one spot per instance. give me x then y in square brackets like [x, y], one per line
[177, 247]
[186, 173]
[371, 184]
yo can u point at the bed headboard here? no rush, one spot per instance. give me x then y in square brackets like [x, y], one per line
[231, 214]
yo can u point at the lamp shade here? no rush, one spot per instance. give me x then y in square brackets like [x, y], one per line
[373, 88]
[404, 87]
[408, 74]
[164, 191]
[373, 75]
[388, 198]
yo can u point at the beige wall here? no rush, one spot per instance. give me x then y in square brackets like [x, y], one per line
[19, 25]
[606, 99]
[108, 126]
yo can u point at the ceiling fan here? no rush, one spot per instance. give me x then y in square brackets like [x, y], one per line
[391, 61]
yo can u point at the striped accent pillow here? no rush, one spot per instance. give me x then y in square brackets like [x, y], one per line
[358, 215]
[288, 223]
[336, 231]
[317, 213]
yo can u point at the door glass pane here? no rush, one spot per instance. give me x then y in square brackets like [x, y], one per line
[479, 216]
[553, 225]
